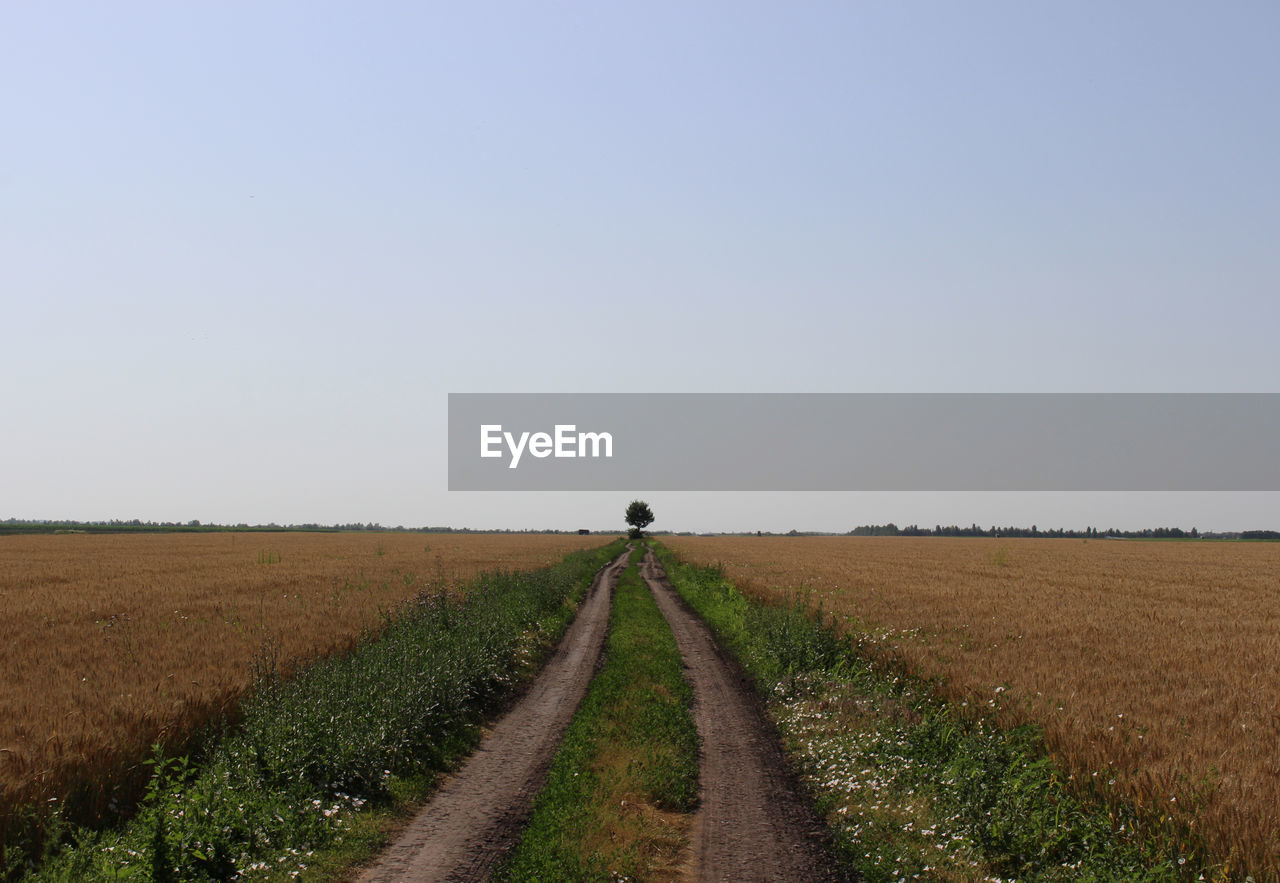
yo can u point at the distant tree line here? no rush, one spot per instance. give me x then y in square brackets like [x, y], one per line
[973, 530]
[135, 525]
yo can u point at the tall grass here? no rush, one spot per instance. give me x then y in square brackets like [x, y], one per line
[312, 749]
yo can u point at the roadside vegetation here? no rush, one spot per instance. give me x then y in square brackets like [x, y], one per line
[619, 795]
[912, 784]
[281, 791]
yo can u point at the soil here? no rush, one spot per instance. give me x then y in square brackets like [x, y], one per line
[477, 815]
[751, 824]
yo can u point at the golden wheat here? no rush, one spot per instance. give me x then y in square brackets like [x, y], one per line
[1153, 667]
[109, 643]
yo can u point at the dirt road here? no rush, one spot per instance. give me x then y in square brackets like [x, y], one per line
[477, 815]
[751, 822]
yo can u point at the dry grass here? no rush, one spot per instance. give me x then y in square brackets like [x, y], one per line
[1154, 668]
[109, 643]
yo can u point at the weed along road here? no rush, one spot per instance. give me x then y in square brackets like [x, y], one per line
[477, 815]
[751, 823]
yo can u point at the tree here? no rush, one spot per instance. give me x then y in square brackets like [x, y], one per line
[639, 516]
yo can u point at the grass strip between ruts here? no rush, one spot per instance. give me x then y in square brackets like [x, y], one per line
[619, 795]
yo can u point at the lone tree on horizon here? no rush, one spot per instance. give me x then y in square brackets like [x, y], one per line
[639, 516]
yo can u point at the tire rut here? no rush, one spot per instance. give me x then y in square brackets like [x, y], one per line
[751, 822]
[477, 815]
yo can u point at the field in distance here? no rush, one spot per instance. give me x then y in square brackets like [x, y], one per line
[108, 642]
[1152, 666]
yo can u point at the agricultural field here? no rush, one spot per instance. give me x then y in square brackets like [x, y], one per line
[1153, 667]
[109, 643]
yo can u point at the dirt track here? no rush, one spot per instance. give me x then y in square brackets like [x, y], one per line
[477, 815]
[751, 823]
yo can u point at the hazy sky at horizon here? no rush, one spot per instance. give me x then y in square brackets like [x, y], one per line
[247, 249]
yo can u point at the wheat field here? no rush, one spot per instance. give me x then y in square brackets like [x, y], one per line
[111, 642]
[1153, 667]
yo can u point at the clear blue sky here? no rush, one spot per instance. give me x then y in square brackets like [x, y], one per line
[247, 249]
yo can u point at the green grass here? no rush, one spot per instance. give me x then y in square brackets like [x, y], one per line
[624, 780]
[908, 783]
[289, 788]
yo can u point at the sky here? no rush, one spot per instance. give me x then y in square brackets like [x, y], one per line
[248, 249]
